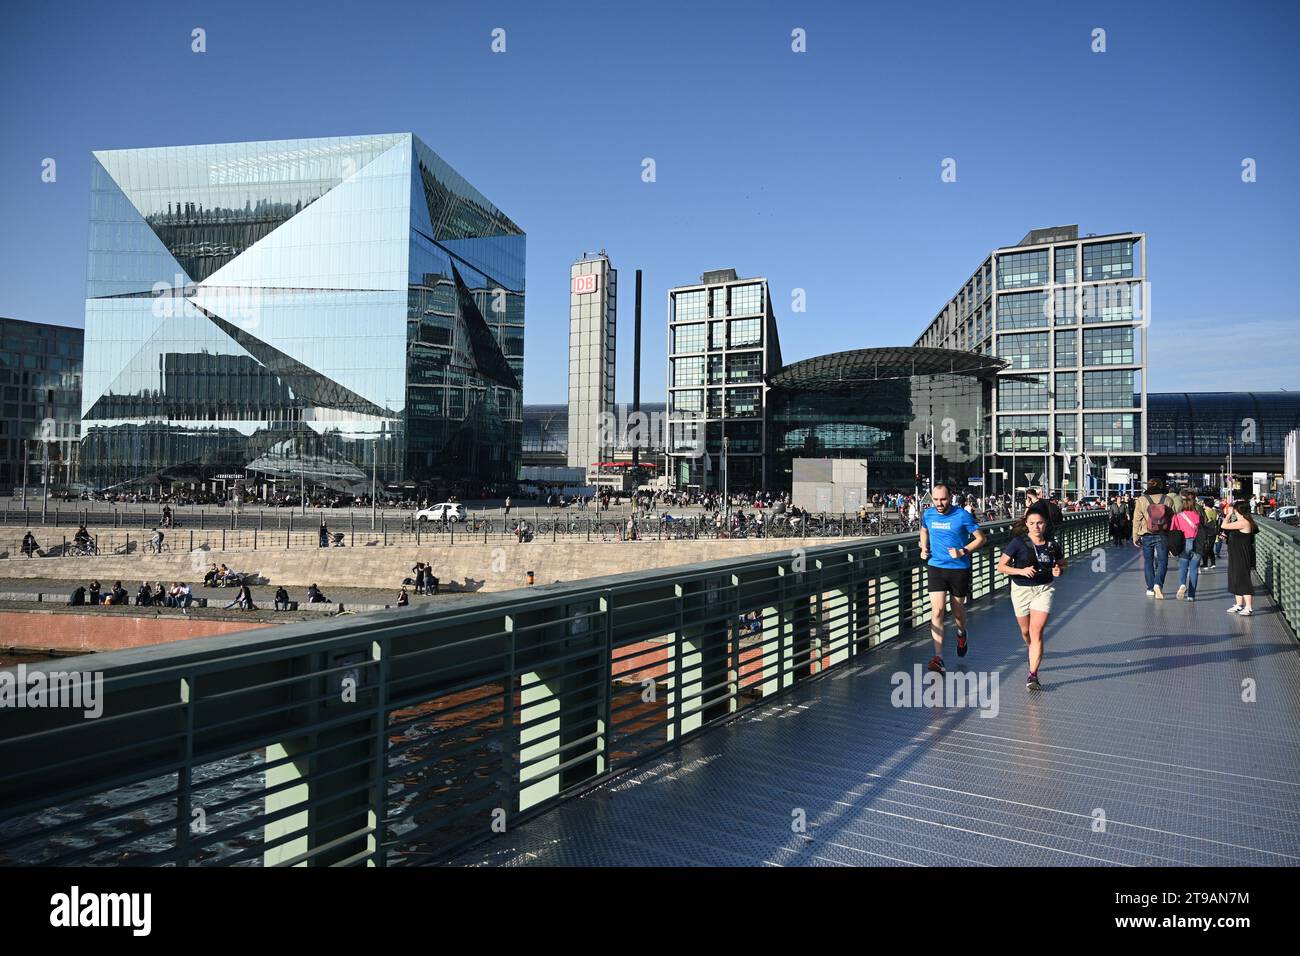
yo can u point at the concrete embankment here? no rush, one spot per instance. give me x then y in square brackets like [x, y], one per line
[471, 567]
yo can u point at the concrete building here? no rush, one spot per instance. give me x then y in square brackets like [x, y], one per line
[722, 346]
[1069, 315]
[593, 313]
[40, 404]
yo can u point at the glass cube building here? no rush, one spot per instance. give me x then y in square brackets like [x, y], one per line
[301, 310]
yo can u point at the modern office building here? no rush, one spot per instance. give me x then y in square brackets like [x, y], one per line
[722, 346]
[1068, 314]
[40, 405]
[593, 313]
[325, 310]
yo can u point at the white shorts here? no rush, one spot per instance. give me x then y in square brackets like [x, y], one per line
[1032, 597]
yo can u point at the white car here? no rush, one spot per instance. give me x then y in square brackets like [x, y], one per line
[1285, 513]
[447, 511]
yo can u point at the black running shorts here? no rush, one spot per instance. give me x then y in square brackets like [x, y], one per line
[955, 581]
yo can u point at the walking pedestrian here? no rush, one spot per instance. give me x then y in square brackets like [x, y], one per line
[1188, 521]
[948, 536]
[1152, 515]
[1240, 528]
[1033, 561]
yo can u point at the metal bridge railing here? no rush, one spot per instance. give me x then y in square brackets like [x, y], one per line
[1277, 562]
[405, 737]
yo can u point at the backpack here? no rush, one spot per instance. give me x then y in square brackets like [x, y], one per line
[1157, 514]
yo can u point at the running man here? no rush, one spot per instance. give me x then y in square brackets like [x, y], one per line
[1033, 561]
[948, 536]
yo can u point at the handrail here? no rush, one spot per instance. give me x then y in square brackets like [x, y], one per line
[391, 738]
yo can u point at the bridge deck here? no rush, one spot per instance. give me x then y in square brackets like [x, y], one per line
[1141, 718]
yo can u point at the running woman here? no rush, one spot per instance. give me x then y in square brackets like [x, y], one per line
[1033, 561]
[948, 536]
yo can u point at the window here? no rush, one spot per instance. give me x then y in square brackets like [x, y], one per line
[1067, 433]
[746, 332]
[744, 402]
[745, 367]
[691, 400]
[715, 370]
[1108, 260]
[688, 338]
[1063, 307]
[718, 303]
[716, 335]
[1022, 310]
[1108, 346]
[1065, 265]
[1016, 396]
[1020, 433]
[1113, 432]
[1026, 350]
[1019, 270]
[688, 371]
[1108, 303]
[1067, 348]
[1117, 389]
[746, 299]
[691, 305]
[1067, 390]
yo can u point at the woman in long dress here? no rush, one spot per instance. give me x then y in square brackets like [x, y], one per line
[1240, 528]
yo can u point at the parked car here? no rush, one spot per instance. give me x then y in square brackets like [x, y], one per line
[1287, 514]
[1091, 501]
[447, 511]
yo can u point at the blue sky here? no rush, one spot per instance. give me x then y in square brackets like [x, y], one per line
[819, 170]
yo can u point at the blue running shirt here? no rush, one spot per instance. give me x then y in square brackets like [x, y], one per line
[951, 530]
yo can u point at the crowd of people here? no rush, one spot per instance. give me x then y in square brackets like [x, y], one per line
[1182, 527]
[179, 595]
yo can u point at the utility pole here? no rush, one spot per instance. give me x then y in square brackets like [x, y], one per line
[45, 480]
[726, 501]
[931, 456]
[24, 473]
[374, 479]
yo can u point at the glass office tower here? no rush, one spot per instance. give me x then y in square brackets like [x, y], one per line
[40, 388]
[1069, 315]
[316, 310]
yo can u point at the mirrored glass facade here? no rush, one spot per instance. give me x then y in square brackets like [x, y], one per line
[40, 395]
[321, 309]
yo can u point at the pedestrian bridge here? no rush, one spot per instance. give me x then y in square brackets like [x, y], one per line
[750, 711]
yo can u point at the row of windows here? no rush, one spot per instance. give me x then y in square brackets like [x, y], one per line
[1018, 270]
[1121, 388]
[712, 303]
[743, 333]
[1108, 260]
[1114, 432]
[1110, 346]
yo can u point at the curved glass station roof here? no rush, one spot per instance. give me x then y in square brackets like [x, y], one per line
[846, 370]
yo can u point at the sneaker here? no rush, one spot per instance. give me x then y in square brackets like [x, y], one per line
[1160, 595]
[1150, 592]
[961, 642]
[936, 664]
[1190, 598]
[1031, 683]
[1245, 612]
[1182, 590]
[1236, 609]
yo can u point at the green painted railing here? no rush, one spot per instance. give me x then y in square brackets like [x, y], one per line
[405, 736]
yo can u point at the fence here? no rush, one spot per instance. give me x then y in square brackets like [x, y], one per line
[406, 737]
[254, 532]
[1277, 561]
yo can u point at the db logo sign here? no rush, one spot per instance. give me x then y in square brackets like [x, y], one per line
[584, 284]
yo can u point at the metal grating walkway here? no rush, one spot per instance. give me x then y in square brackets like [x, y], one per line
[1141, 718]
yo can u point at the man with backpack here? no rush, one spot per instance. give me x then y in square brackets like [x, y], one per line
[1152, 515]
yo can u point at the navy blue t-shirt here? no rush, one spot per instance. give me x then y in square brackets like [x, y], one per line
[1042, 557]
[951, 530]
